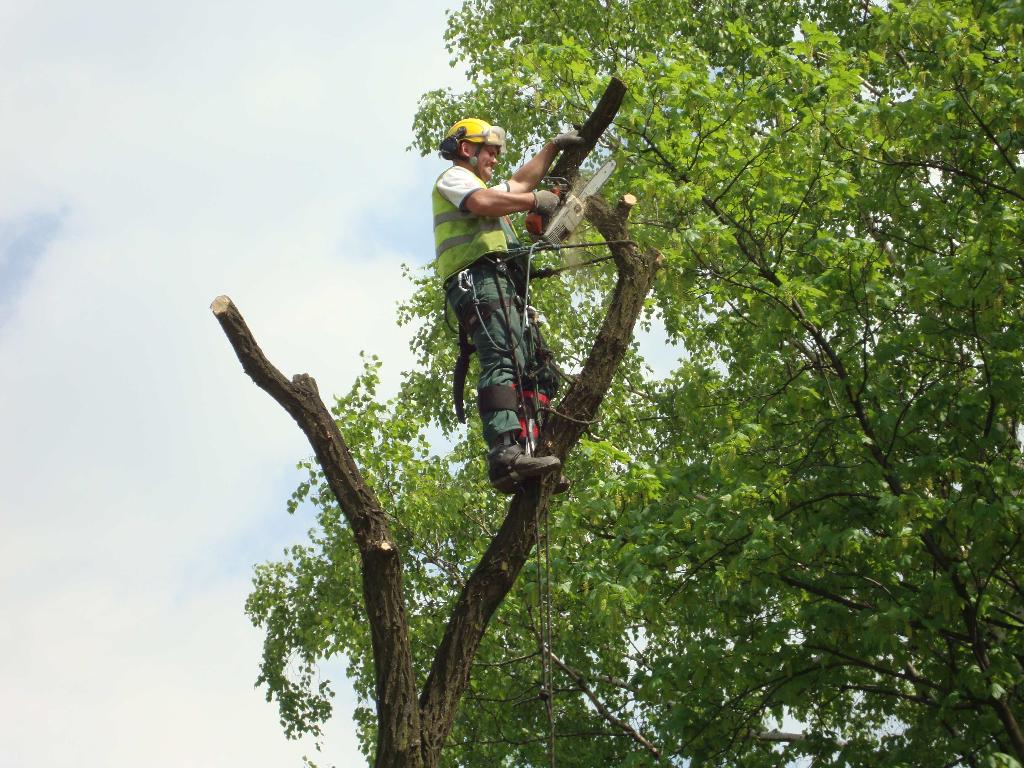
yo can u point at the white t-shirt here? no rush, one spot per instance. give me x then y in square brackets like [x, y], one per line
[458, 183]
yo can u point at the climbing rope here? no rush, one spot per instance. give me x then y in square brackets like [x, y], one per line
[542, 245]
[545, 629]
[552, 271]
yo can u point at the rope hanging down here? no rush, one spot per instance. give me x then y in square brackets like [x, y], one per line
[545, 638]
[544, 545]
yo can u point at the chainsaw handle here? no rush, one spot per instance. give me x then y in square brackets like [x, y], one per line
[537, 222]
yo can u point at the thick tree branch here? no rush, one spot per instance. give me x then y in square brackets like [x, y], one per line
[398, 733]
[568, 164]
[794, 738]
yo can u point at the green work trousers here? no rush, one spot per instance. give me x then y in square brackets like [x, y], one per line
[499, 347]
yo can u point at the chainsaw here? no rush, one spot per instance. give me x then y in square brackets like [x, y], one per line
[557, 227]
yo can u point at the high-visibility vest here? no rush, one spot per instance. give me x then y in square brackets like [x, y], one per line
[460, 237]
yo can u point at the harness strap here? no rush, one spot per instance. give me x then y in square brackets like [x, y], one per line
[505, 397]
[497, 397]
[466, 350]
[534, 402]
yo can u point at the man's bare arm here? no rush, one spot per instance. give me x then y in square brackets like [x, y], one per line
[529, 175]
[498, 202]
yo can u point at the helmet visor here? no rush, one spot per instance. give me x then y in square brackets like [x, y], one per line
[493, 135]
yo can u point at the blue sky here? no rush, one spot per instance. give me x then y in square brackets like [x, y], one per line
[156, 155]
[23, 241]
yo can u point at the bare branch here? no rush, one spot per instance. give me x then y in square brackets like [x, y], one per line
[399, 724]
[786, 737]
[603, 711]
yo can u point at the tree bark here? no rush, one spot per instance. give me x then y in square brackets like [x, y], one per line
[568, 164]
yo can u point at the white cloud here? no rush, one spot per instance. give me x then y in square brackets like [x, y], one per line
[153, 682]
[192, 149]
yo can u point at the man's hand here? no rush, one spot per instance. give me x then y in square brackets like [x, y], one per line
[529, 176]
[544, 202]
[567, 139]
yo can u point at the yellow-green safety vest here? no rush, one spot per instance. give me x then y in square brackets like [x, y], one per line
[460, 237]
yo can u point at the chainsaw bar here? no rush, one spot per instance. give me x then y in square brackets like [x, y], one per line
[593, 186]
[569, 214]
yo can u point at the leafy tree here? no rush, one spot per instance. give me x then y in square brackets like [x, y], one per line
[806, 541]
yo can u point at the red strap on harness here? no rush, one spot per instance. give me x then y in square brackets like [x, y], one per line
[541, 400]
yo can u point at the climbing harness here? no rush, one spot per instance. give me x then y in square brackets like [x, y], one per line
[527, 409]
[480, 311]
[480, 314]
[524, 396]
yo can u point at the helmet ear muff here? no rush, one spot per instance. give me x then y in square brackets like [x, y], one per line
[450, 146]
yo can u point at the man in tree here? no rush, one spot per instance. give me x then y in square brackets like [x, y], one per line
[483, 275]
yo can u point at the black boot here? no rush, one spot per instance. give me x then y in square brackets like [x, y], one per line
[508, 465]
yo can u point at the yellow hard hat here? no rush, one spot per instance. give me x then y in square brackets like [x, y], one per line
[475, 130]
